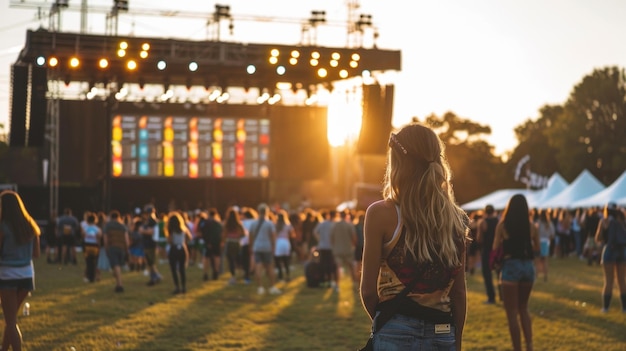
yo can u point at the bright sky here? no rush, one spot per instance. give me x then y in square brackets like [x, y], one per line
[495, 62]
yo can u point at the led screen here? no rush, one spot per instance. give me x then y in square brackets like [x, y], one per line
[189, 147]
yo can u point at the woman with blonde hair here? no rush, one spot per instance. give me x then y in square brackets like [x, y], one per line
[19, 242]
[415, 245]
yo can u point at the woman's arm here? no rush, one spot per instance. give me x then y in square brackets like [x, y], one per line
[377, 223]
[497, 239]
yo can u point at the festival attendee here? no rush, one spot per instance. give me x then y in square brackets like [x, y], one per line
[19, 238]
[150, 234]
[343, 240]
[485, 233]
[282, 251]
[519, 240]
[211, 229]
[249, 216]
[136, 259]
[117, 243]
[311, 220]
[325, 248]
[233, 232]
[473, 250]
[92, 235]
[611, 233]
[68, 229]
[546, 234]
[416, 231]
[263, 241]
[178, 235]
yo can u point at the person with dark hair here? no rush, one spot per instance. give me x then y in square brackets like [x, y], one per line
[611, 233]
[92, 234]
[19, 244]
[150, 234]
[282, 252]
[415, 245]
[343, 240]
[249, 216]
[325, 249]
[116, 243]
[178, 235]
[68, 229]
[519, 239]
[546, 234]
[233, 232]
[485, 233]
[212, 231]
[263, 241]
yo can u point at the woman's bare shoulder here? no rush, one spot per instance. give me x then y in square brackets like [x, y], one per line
[381, 207]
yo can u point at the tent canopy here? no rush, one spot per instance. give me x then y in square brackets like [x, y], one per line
[613, 193]
[583, 186]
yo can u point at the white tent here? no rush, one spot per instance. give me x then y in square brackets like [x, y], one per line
[556, 184]
[612, 193]
[498, 199]
[583, 186]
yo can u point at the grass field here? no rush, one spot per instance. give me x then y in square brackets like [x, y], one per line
[68, 314]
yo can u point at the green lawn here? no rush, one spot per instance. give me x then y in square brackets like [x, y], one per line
[68, 314]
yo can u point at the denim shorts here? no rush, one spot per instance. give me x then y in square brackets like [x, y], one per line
[516, 270]
[407, 333]
[613, 254]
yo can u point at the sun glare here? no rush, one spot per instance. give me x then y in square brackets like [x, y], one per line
[344, 120]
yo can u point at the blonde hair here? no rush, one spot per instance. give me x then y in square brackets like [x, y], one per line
[417, 178]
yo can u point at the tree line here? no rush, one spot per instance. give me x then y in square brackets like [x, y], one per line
[588, 131]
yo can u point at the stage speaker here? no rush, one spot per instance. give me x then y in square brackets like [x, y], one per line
[376, 119]
[38, 106]
[19, 95]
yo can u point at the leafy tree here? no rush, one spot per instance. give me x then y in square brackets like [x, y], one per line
[591, 131]
[533, 141]
[475, 169]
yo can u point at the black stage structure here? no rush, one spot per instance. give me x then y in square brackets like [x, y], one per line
[74, 139]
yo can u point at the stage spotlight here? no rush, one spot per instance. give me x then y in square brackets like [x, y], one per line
[131, 65]
[280, 70]
[41, 61]
[145, 46]
[74, 62]
[334, 63]
[251, 69]
[322, 73]
[356, 57]
[123, 45]
[161, 65]
[315, 55]
[343, 74]
[274, 53]
[193, 66]
[314, 62]
[273, 60]
[103, 63]
[53, 61]
[293, 61]
[295, 54]
[121, 52]
[335, 56]
[143, 54]
[354, 64]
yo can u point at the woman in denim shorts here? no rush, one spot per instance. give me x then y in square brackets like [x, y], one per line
[519, 239]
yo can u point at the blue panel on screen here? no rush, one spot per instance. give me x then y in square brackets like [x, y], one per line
[144, 168]
[143, 134]
[143, 151]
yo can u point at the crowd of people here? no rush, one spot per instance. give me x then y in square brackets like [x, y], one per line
[252, 245]
[407, 256]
